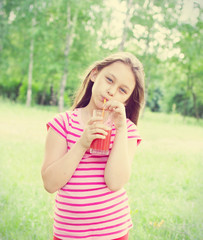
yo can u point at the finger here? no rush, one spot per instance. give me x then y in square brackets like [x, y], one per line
[94, 119]
[114, 108]
[99, 131]
[113, 104]
[98, 136]
[117, 110]
[101, 126]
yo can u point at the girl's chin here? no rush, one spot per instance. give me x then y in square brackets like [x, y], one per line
[97, 104]
[98, 107]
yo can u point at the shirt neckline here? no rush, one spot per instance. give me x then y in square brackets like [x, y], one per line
[79, 113]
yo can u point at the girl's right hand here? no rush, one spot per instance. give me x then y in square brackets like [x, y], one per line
[94, 129]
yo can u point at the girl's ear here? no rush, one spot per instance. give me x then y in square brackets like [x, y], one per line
[93, 74]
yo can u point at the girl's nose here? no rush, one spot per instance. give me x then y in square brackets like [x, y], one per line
[111, 91]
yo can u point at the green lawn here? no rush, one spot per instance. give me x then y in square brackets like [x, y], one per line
[165, 190]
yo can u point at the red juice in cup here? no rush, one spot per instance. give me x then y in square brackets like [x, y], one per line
[101, 146]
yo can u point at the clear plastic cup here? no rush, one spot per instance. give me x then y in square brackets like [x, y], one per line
[101, 146]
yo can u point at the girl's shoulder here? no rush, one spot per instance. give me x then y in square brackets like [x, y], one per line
[61, 122]
[130, 124]
[68, 114]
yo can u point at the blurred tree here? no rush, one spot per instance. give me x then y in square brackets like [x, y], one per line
[192, 63]
[51, 43]
[126, 24]
[70, 34]
[29, 89]
[185, 70]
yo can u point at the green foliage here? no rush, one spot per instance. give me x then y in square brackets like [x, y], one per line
[153, 31]
[153, 100]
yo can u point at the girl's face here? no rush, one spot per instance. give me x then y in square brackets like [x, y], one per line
[114, 82]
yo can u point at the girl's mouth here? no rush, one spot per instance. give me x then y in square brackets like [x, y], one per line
[106, 100]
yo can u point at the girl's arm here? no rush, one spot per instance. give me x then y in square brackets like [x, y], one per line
[118, 167]
[60, 164]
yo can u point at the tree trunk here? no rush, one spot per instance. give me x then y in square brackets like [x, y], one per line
[190, 85]
[125, 28]
[30, 69]
[53, 97]
[62, 88]
[29, 89]
[69, 40]
[194, 97]
[42, 99]
[147, 79]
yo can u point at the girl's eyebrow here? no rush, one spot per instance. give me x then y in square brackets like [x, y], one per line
[112, 75]
[125, 86]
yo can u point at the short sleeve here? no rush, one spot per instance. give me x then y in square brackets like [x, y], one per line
[133, 132]
[60, 123]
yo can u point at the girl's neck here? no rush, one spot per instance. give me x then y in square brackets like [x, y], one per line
[86, 113]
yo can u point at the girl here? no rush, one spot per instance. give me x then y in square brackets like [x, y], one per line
[91, 202]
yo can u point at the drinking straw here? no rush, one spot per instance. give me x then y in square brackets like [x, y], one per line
[103, 108]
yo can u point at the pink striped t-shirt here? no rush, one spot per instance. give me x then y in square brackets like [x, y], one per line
[85, 207]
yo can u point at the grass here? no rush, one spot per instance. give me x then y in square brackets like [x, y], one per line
[165, 189]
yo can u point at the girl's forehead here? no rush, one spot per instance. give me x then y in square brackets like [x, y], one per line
[118, 67]
[121, 72]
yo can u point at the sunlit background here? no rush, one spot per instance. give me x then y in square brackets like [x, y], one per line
[45, 48]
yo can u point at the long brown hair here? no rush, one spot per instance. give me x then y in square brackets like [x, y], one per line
[136, 100]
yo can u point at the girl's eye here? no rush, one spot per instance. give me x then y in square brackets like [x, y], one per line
[122, 90]
[109, 80]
